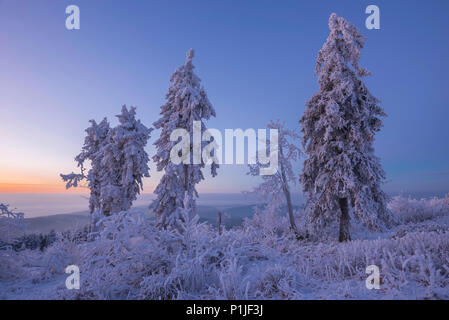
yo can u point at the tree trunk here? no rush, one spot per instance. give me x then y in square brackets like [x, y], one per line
[288, 198]
[219, 222]
[344, 221]
[290, 213]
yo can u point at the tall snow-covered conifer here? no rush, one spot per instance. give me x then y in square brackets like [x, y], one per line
[186, 102]
[338, 128]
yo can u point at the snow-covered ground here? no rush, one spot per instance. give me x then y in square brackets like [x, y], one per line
[131, 259]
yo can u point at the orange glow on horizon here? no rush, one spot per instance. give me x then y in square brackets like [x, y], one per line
[50, 188]
[60, 188]
[39, 188]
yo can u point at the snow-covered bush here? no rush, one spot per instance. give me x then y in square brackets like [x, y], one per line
[56, 258]
[12, 226]
[413, 210]
[267, 221]
[34, 241]
[77, 236]
[11, 264]
[279, 282]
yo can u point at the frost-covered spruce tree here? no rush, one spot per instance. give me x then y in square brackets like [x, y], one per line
[275, 188]
[118, 163]
[125, 162]
[186, 102]
[338, 128]
[94, 141]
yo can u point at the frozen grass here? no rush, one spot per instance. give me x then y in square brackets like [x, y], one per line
[131, 259]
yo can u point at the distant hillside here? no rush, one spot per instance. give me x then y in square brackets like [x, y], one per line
[232, 216]
[61, 222]
[57, 222]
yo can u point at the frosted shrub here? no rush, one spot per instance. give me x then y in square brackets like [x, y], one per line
[12, 226]
[267, 222]
[11, 264]
[57, 257]
[278, 282]
[130, 258]
[412, 210]
[112, 262]
[192, 258]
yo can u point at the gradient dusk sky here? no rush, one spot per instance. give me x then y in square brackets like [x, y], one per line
[256, 60]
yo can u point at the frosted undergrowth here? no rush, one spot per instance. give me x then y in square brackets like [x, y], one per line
[132, 259]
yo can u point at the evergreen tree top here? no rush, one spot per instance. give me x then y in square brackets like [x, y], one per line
[186, 95]
[343, 46]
